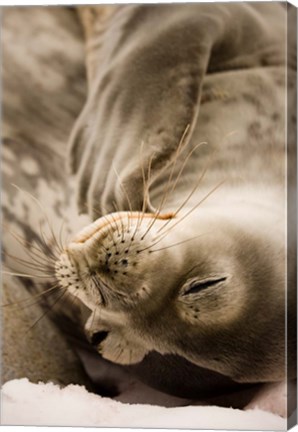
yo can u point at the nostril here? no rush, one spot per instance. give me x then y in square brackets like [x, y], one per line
[98, 337]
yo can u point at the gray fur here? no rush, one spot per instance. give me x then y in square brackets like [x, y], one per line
[166, 70]
[43, 92]
[198, 67]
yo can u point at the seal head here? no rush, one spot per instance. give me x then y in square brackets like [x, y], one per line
[152, 286]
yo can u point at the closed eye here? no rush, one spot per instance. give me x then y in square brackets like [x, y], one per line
[196, 286]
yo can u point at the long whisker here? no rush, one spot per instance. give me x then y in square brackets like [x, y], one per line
[109, 223]
[33, 266]
[116, 224]
[44, 293]
[110, 229]
[187, 198]
[185, 162]
[46, 242]
[39, 260]
[196, 206]
[41, 208]
[46, 312]
[125, 193]
[60, 236]
[147, 187]
[165, 195]
[139, 220]
[178, 151]
[122, 226]
[175, 244]
[31, 276]
[30, 248]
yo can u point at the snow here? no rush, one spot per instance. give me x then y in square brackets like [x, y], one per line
[25, 403]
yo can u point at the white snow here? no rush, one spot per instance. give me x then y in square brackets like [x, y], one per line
[25, 403]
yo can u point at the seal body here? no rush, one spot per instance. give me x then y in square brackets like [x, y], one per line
[192, 273]
[181, 267]
[43, 92]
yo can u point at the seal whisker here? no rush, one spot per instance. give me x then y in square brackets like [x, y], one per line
[24, 275]
[115, 222]
[125, 193]
[60, 236]
[185, 162]
[165, 194]
[121, 222]
[103, 293]
[185, 201]
[41, 259]
[175, 159]
[37, 296]
[175, 244]
[99, 282]
[73, 297]
[147, 186]
[110, 229]
[46, 242]
[166, 247]
[187, 198]
[139, 218]
[193, 190]
[46, 312]
[204, 171]
[110, 223]
[197, 205]
[39, 254]
[31, 265]
[94, 209]
[42, 208]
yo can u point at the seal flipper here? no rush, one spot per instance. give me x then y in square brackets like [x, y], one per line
[144, 86]
[150, 94]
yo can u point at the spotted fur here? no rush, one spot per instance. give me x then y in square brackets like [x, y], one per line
[143, 90]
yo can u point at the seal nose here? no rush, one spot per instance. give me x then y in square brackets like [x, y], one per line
[112, 244]
[108, 256]
[98, 337]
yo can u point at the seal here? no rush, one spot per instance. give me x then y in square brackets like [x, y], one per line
[179, 155]
[194, 267]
